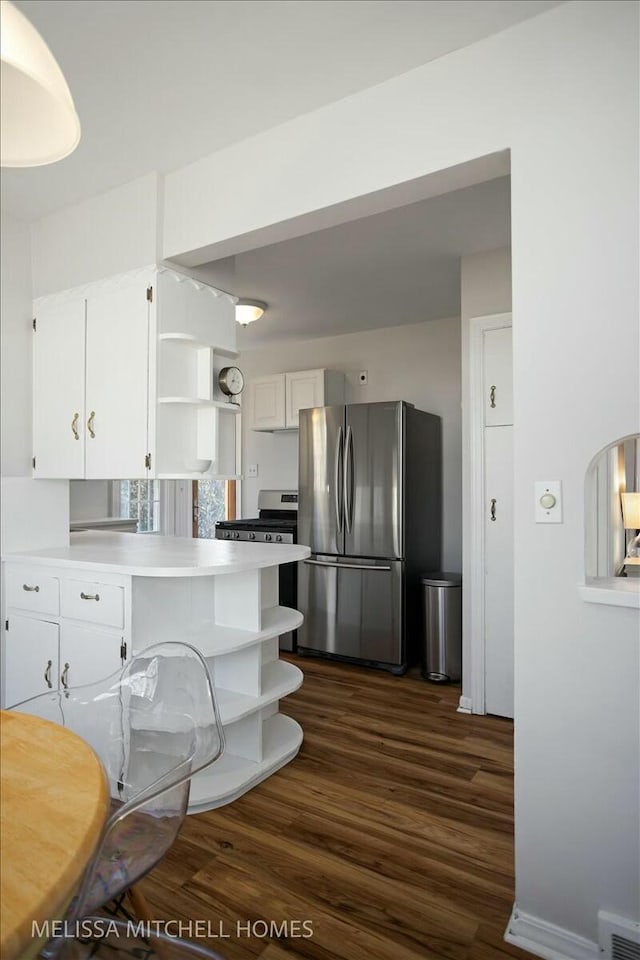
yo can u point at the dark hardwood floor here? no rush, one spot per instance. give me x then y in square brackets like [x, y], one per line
[391, 833]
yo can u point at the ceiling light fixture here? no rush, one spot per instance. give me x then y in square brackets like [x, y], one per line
[249, 310]
[39, 120]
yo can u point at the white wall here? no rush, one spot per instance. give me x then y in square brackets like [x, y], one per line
[89, 499]
[105, 235]
[16, 332]
[561, 92]
[485, 280]
[419, 363]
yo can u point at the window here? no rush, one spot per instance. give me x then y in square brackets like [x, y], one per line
[138, 500]
[213, 500]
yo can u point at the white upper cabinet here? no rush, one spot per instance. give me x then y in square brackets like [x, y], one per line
[58, 390]
[276, 401]
[498, 377]
[125, 380]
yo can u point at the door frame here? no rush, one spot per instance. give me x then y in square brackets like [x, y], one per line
[475, 527]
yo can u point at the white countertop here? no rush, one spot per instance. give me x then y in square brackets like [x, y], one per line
[143, 555]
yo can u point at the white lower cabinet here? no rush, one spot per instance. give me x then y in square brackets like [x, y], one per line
[31, 658]
[88, 654]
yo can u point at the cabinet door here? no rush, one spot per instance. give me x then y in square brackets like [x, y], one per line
[88, 654]
[58, 390]
[498, 377]
[304, 389]
[267, 403]
[498, 598]
[117, 397]
[31, 658]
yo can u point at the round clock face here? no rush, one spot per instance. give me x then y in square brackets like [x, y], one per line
[231, 381]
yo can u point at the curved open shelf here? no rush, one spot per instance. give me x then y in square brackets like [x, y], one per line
[279, 678]
[190, 341]
[231, 776]
[200, 402]
[213, 640]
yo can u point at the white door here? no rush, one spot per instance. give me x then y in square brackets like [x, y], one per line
[303, 390]
[498, 588]
[267, 403]
[31, 658]
[58, 390]
[117, 397]
[88, 654]
[498, 377]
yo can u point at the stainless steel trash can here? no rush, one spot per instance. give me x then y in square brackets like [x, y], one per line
[442, 639]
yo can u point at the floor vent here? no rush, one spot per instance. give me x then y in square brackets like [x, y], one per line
[619, 939]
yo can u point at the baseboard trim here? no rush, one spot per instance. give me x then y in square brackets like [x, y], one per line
[465, 705]
[546, 939]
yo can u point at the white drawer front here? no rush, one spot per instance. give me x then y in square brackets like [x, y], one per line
[93, 602]
[28, 590]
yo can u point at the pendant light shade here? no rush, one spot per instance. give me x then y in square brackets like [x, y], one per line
[39, 120]
[249, 310]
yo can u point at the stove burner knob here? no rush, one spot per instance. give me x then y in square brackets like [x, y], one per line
[252, 536]
[236, 535]
[278, 539]
[227, 535]
[267, 536]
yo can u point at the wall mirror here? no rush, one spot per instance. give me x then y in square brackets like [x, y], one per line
[612, 511]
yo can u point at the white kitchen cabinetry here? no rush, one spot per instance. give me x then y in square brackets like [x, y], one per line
[276, 401]
[125, 380]
[61, 632]
[221, 597]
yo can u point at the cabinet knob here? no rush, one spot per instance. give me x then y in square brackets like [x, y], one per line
[493, 509]
[92, 432]
[47, 674]
[492, 396]
[89, 596]
[64, 677]
[28, 589]
[74, 426]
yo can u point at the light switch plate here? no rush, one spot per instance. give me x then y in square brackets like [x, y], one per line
[252, 470]
[547, 491]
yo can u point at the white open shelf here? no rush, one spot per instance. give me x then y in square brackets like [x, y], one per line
[213, 640]
[231, 776]
[200, 401]
[190, 341]
[279, 678]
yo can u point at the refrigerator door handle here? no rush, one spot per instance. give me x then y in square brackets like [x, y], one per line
[344, 566]
[348, 480]
[339, 480]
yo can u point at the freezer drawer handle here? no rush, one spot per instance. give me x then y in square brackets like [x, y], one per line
[343, 566]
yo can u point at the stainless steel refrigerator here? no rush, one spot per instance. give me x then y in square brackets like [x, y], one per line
[370, 478]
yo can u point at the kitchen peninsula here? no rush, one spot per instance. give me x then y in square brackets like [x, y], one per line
[75, 614]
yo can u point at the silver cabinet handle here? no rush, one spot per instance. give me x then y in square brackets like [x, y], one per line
[64, 677]
[47, 674]
[338, 480]
[348, 480]
[492, 396]
[28, 589]
[74, 426]
[89, 596]
[493, 509]
[92, 432]
[343, 566]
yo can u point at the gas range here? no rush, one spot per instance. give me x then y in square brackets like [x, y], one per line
[277, 521]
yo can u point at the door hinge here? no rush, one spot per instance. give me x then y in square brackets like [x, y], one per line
[6, 625]
[150, 294]
[147, 461]
[123, 651]
[33, 462]
[34, 323]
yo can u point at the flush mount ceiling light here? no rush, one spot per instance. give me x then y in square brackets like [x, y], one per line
[39, 120]
[249, 310]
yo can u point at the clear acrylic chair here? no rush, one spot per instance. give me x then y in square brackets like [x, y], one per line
[153, 725]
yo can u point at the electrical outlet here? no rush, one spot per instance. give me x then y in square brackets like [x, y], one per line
[363, 378]
[252, 470]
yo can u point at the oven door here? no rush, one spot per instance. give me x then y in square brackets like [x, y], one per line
[353, 608]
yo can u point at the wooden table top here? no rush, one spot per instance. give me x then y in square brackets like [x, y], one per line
[55, 801]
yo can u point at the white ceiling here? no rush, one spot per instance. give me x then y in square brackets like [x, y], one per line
[402, 266]
[160, 83]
